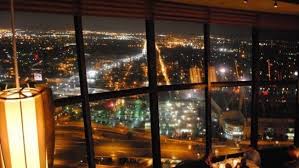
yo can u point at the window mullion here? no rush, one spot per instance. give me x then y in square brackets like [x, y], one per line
[207, 54]
[153, 88]
[84, 90]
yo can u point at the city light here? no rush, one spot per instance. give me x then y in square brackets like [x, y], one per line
[222, 70]
[91, 74]
[118, 61]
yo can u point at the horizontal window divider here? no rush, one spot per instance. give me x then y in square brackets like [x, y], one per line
[181, 87]
[129, 92]
[285, 82]
[100, 96]
[231, 84]
[116, 94]
[67, 101]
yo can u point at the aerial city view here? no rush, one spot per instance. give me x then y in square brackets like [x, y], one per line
[116, 60]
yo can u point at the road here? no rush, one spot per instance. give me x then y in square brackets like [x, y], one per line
[117, 143]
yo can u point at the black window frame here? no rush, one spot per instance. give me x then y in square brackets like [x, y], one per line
[153, 88]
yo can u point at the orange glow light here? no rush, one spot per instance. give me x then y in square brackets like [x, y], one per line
[26, 128]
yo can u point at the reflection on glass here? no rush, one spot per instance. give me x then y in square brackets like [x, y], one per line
[182, 125]
[115, 50]
[179, 49]
[230, 119]
[230, 53]
[47, 51]
[121, 131]
[70, 148]
[278, 55]
[276, 109]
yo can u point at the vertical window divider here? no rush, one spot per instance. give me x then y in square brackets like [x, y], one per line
[84, 86]
[296, 138]
[207, 54]
[254, 112]
[152, 78]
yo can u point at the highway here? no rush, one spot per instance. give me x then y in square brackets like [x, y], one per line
[116, 143]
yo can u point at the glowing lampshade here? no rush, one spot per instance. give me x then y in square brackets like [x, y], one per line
[1, 158]
[26, 128]
[212, 74]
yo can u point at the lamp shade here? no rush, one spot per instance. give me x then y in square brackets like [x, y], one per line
[212, 74]
[26, 128]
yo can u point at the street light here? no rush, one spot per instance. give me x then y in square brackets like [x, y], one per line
[222, 70]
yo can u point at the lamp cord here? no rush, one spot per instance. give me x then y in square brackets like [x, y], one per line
[14, 44]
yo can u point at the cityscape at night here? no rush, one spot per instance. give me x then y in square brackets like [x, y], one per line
[149, 84]
[118, 61]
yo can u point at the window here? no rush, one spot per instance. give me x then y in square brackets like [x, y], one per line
[277, 110]
[47, 51]
[179, 50]
[230, 53]
[70, 148]
[6, 62]
[182, 125]
[278, 55]
[230, 107]
[121, 131]
[115, 50]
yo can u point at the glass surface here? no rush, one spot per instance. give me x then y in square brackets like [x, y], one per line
[6, 61]
[278, 55]
[230, 53]
[121, 132]
[47, 51]
[277, 111]
[230, 119]
[182, 125]
[179, 51]
[70, 147]
[115, 51]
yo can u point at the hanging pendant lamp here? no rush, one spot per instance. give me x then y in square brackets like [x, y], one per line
[26, 122]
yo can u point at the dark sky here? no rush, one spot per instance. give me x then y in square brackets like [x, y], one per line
[53, 21]
[41, 21]
[37, 20]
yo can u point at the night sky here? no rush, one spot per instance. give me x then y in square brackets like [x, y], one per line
[55, 21]
[41, 21]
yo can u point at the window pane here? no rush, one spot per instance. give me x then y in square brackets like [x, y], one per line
[6, 61]
[115, 51]
[182, 125]
[121, 131]
[70, 147]
[230, 53]
[230, 119]
[179, 49]
[277, 110]
[278, 52]
[47, 51]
